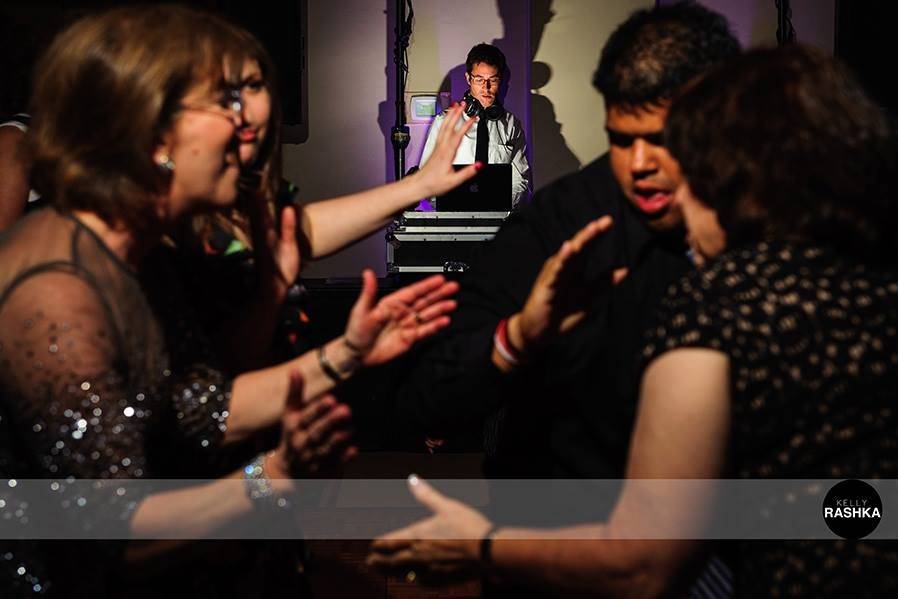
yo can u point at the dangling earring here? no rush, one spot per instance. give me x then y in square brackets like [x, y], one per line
[165, 162]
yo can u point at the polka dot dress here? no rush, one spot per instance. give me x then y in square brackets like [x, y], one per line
[812, 341]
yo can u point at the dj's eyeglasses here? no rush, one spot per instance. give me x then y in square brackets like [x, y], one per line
[480, 81]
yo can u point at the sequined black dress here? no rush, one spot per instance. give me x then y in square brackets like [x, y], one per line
[101, 377]
[812, 340]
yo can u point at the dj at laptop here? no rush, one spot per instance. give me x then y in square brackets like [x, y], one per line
[498, 137]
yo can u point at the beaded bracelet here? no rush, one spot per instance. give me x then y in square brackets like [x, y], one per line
[257, 485]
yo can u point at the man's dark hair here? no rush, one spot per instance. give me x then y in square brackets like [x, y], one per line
[488, 54]
[784, 144]
[649, 57]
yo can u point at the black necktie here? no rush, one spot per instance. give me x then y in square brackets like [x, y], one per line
[482, 153]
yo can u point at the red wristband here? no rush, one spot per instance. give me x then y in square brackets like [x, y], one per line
[503, 346]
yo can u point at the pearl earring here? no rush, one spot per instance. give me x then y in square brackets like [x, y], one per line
[165, 162]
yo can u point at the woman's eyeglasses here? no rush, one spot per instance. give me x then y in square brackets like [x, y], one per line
[229, 106]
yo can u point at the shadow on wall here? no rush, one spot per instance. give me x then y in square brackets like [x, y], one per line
[553, 155]
[454, 81]
[386, 111]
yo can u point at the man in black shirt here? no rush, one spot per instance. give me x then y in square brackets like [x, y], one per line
[557, 362]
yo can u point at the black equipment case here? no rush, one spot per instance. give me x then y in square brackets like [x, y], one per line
[433, 242]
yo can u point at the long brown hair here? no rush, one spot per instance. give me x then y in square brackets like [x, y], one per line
[106, 90]
[260, 181]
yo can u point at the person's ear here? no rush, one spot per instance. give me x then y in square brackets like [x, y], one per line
[468, 78]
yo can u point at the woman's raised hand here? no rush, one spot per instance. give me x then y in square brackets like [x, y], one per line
[382, 330]
[276, 249]
[437, 176]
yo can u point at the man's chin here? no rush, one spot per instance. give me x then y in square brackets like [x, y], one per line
[668, 220]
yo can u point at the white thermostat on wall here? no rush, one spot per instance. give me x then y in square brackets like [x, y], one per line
[421, 107]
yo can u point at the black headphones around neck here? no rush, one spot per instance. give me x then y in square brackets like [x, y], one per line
[473, 108]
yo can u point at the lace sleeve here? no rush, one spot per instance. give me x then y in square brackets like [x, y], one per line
[67, 401]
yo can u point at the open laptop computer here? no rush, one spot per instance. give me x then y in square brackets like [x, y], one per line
[488, 191]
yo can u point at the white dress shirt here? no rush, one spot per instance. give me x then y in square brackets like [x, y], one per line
[507, 146]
